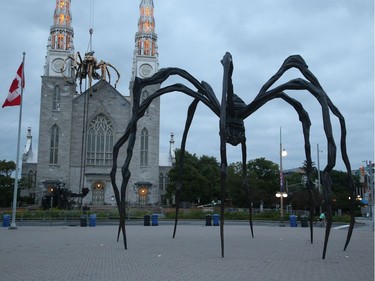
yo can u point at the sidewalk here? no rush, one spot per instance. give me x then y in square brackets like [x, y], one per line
[37, 253]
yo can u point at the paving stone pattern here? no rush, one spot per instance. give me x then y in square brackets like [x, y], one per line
[37, 253]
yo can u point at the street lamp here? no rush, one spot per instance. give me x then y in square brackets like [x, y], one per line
[51, 204]
[281, 194]
[319, 185]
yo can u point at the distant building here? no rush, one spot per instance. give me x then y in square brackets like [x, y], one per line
[366, 189]
[77, 130]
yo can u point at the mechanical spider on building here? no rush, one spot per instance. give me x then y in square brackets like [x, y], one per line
[88, 67]
[232, 111]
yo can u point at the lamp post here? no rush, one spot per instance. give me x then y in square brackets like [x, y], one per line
[281, 194]
[319, 186]
[51, 203]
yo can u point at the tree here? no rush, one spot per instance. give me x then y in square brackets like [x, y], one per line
[263, 179]
[340, 192]
[6, 182]
[200, 178]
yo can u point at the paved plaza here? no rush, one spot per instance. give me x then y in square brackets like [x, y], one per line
[63, 252]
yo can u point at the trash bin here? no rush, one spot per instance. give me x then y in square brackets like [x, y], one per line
[215, 218]
[83, 220]
[208, 220]
[146, 220]
[293, 220]
[304, 221]
[92, 220]
[154, 219]
[6, 220]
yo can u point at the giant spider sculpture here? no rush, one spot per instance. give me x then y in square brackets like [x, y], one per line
[232, 112]
[88, 67]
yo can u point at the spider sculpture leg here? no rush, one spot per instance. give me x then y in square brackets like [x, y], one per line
[223, 176]
[130, 134]
[306, 124]
[103, 66]
[313, 86]
[245, 185]
[304, 118]
[326, 180]
[345, 158]
[189, 119]
[109, 76]
[228, 69]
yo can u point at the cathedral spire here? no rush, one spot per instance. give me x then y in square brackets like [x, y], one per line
[61, 31]
[145, 58]
[145, 38]
[60, 42]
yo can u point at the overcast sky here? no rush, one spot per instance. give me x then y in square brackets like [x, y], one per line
[336, 39]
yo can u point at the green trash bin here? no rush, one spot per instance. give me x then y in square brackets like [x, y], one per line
[304, 221]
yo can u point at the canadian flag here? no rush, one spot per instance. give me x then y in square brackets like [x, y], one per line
[14, 95]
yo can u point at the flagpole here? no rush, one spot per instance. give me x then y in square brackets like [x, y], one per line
[13, 223]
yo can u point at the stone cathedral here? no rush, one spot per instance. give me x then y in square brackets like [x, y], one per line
[77, 130]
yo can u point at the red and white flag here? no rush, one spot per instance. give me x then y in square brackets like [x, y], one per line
[14, 95]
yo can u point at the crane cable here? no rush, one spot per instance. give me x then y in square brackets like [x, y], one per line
[91, 24]
[85, 109]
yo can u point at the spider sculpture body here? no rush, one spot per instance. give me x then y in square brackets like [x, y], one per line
[87, 69]
[232, 111]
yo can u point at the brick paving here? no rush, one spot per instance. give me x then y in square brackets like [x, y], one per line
[77, 253]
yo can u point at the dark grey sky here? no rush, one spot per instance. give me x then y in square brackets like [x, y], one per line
[336, 39]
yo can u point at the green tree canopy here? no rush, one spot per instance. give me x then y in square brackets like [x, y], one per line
[263, 179]
[6, 182]
[200, 178]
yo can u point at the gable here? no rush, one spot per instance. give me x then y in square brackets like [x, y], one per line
[103, 91]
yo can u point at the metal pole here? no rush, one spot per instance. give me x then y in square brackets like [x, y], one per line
[317, 147]
[281, 184]
[372, 194]
[318, 152]
[281, 165]
[14, 209]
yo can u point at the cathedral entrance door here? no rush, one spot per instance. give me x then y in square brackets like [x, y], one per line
[142, 193]
[98, 193]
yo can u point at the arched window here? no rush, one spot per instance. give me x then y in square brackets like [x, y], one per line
[100, 141]
[145, 95]
[60, 41]
[161, 181]
[56, 99]
[144, 148]
[54, 145]
[146, 50]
